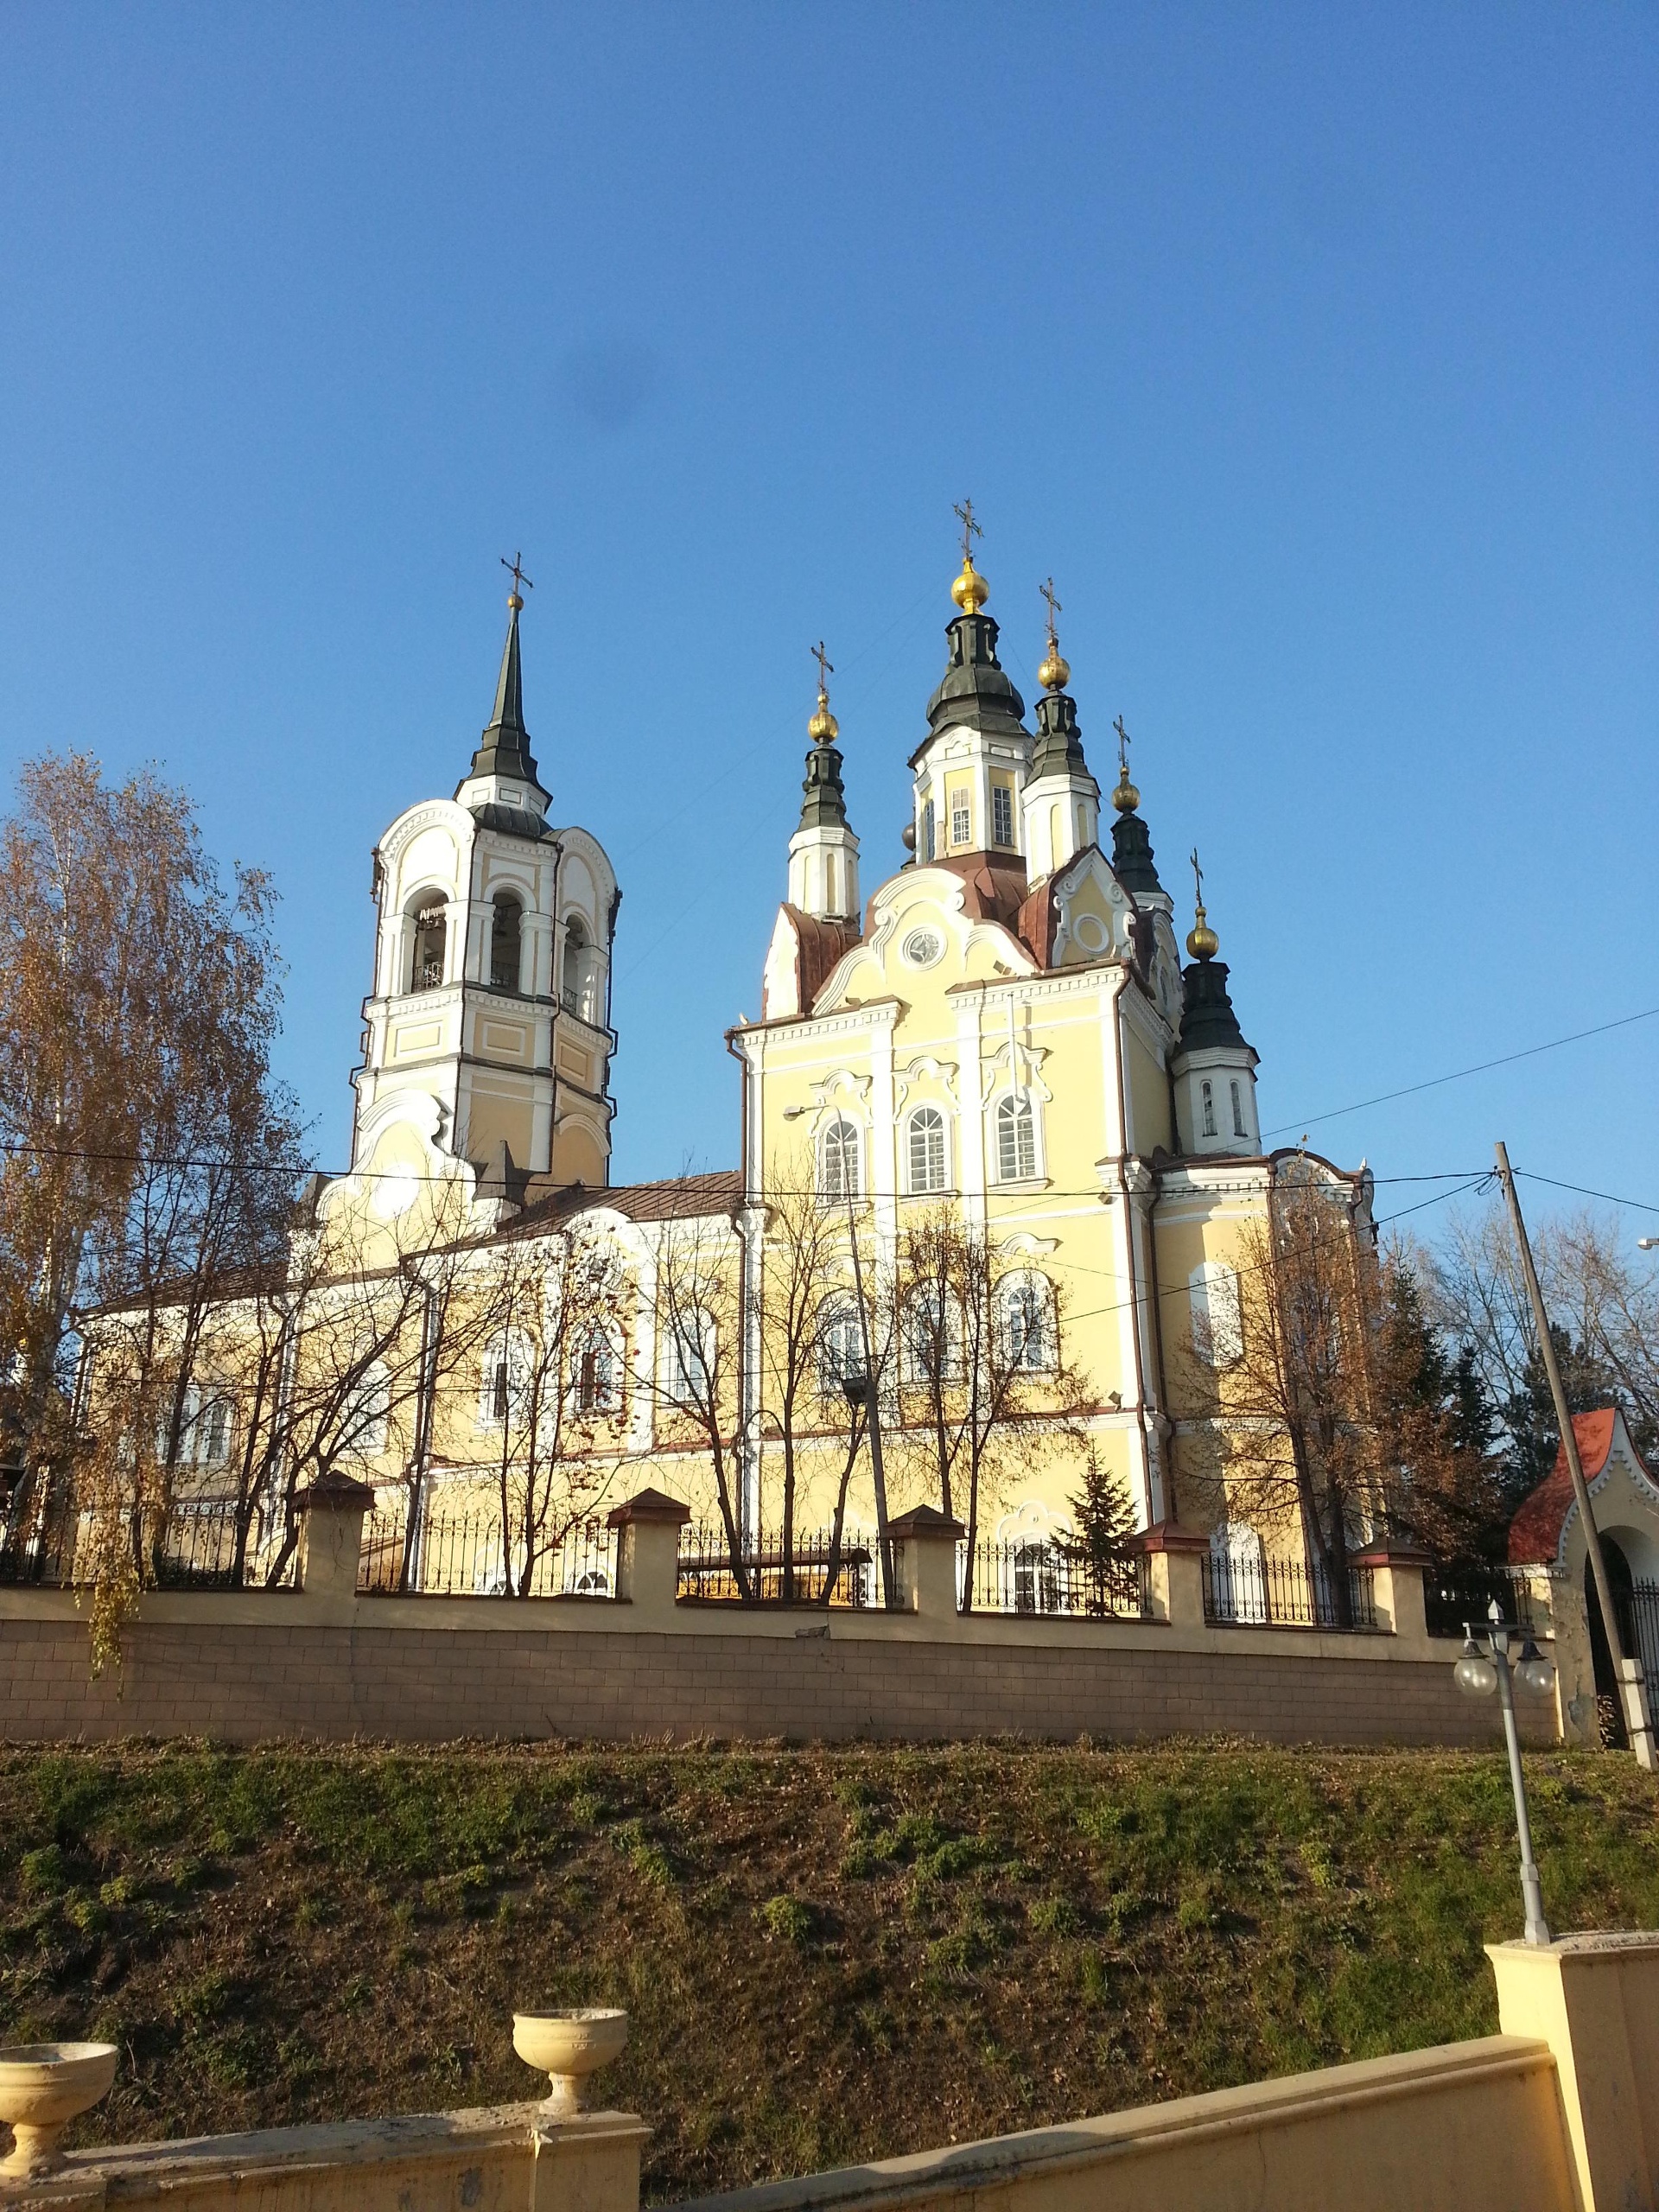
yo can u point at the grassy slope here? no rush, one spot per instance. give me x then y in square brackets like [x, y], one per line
[826, 1955]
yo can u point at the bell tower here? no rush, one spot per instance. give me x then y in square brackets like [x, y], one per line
[488, 1025]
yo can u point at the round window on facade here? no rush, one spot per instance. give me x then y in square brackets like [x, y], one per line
[922, 948]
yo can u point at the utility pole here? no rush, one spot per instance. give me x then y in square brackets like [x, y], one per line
[1632, 1691]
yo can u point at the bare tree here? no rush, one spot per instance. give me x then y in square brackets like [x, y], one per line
[1284, 1364]
[816, 1336]
[552, 1387]
[694, 1381]
[983, 1383]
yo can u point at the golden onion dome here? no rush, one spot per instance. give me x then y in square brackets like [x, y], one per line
[970, 591]
[824, 727]
[1201, 940]
[1126, 798]
[1056, 671]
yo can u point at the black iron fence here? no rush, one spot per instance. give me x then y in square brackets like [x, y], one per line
[193, 1547]
[464, 1553]
[1282, 1593]
[1638, 1621]
[706, 1572]
[1454, 1596]
[1033, 1576]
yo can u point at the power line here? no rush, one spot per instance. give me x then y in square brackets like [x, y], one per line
[1504, 1060]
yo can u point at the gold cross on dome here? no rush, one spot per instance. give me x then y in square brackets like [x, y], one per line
[1054, 608]
[826, 667]
[521, 582]
[970, 530]
[1122, 745]
[1197, 881]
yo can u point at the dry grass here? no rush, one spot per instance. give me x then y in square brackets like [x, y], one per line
[827, 1954]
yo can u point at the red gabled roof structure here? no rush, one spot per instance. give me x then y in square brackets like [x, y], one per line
[1535, 1531]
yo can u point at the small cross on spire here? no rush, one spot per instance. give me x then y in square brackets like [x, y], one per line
[1054, 608]
[521, 582]
[826, 667]
[1197, 882]
[970, 530]
[1122, 747]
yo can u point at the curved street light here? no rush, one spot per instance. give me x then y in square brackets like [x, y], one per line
[1482, 1667]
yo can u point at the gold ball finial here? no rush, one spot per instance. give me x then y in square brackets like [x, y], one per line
[1056, 671]
[1201, 940]
[970, 591]
[1126, 798]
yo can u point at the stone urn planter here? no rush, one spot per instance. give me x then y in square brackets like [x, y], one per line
[568, 2047]
[43, 2086]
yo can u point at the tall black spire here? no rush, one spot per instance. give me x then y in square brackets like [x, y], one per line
[823, 796]
[975, 691]
[1059, 742]
[1132, 862]
[1207, 1016]
[504, 749]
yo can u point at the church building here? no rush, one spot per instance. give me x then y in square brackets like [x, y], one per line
[1005, 1038]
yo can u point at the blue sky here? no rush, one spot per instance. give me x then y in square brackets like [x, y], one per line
[1311, 349]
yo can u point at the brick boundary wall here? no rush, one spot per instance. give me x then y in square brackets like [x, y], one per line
[243, 1681]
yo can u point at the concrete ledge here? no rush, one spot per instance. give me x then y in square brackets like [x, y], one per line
[1465, 2127]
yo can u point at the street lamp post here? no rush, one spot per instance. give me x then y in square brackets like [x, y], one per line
[1482, 1668]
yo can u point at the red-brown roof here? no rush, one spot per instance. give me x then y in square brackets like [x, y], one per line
[677, 1198]
[1535, 1531]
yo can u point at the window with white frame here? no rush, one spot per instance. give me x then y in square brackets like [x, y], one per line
[930, 1343]
[598, 1378]
[961, 827]
[505, 1382]
[929, 834]
[205, 1428]
[365, 1412]
[1207, 1099]
[688, 1357]
[838, 1160]
[1016, 1140]
[926, 1134]
[1026, 1306]
[841, 1345]
[1001, 815]
[1217, 1323]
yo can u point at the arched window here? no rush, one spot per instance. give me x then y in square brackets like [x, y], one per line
[838, 1160]
[930, 833]
[930, 1344]
[504, 1392]
[598, 1378]
[574, 982]
[1239, 1130]
[426, 957]
[841, 1345]
[1016, 1140]
[365, 1413]
[1217, 1327]
[927, 1149]
[505, 929]
[688, 1357]
[1238, 1578]
[1029, 1338]
[1206, 1092]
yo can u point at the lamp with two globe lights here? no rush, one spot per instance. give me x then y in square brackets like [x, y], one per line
[1483, 1666]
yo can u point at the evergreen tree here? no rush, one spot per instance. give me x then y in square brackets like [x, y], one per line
[1105, 1521]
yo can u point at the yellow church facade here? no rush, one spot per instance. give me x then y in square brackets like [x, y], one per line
[999, 1140]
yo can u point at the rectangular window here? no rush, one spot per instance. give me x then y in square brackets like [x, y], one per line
[1001, 815]
[961, 824]
[1239, 1130]
[1209, 1097]
[927, 831]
